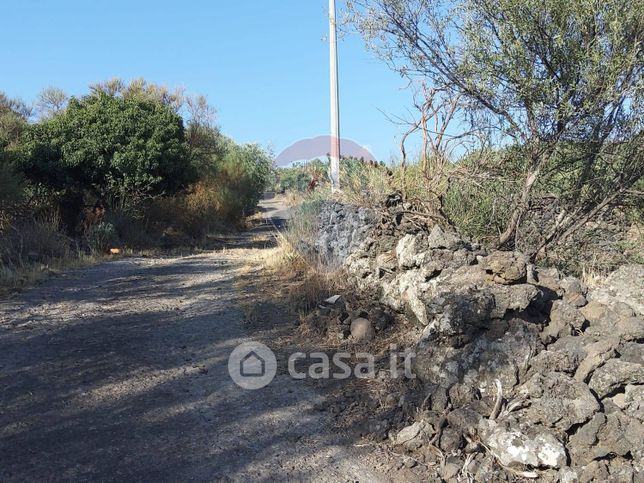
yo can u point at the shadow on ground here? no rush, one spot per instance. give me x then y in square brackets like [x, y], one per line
[119, 372]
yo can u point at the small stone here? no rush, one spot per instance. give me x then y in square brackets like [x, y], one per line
[572, 285]
[631, 328]
[557, 400]
[450, 471]
[409, 251]
[380, 319]
[564, 320]
[409, 462]
[438, 238]
[568, 475]
[621, 470]
[362, 330]
[534, 447]
[551, 360]
[464, 420]
[575, 299]
[506, 267]
[414, 435]
[594, 312]
[451, 440]
[616, 319]
[615, 433]
[549, 278]
[631, 352]
[439, 398]
[594, 472]
[597, 353]
[515, 298]
[626, 284]
[615, 374]
[334, 300]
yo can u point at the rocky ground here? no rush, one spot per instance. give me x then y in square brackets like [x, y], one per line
[522, 372]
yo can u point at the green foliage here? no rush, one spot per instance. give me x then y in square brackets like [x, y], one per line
[112, 146]
[364, 184]
[101, 237]
[242, 176]
[13, 121]
[298, 177]
[560, 79]
[292, 179]
[207, 148]
[12, 187]
[303, 226]
[540, 67]
[12, 193]
[162, 184]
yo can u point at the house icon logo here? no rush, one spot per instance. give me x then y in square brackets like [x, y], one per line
[252, 365]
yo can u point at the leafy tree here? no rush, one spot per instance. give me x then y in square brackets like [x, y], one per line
[113, 146]
[299, 176]
[562, 79]
[294, 179]
[13, 121]
[205, 142]
[243, 173]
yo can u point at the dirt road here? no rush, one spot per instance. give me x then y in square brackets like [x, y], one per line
[118, 372]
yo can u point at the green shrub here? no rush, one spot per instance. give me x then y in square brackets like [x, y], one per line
[112, 145]
[12, 194]
[101, 237]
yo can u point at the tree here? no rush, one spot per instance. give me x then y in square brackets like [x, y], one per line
[244, 172]
[548, 75]
[141, 89]
[113, 146]
[13, 121]
[51, 101]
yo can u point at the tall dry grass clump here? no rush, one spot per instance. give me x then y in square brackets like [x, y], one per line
[30, 248]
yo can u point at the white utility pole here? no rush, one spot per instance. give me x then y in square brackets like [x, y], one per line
[335, 103]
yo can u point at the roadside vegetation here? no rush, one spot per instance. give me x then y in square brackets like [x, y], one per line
[126, 166]
[530, 121]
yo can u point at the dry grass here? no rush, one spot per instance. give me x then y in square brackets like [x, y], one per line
[16, 279]
[364, 185]
[291, 198]
[304, 283]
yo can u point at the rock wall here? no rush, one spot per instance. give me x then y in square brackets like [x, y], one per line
[522, 365]
[343, 230]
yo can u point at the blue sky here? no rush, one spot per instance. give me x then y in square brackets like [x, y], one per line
[263, 64]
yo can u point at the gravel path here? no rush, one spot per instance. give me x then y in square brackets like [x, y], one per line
[118, 372]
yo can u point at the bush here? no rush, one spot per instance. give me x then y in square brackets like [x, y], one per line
[101, 237]
[479, 210]
[303, 224]
[12, 193]
[131, 227]
[193, 214]
[114, 146]
[33, 241]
